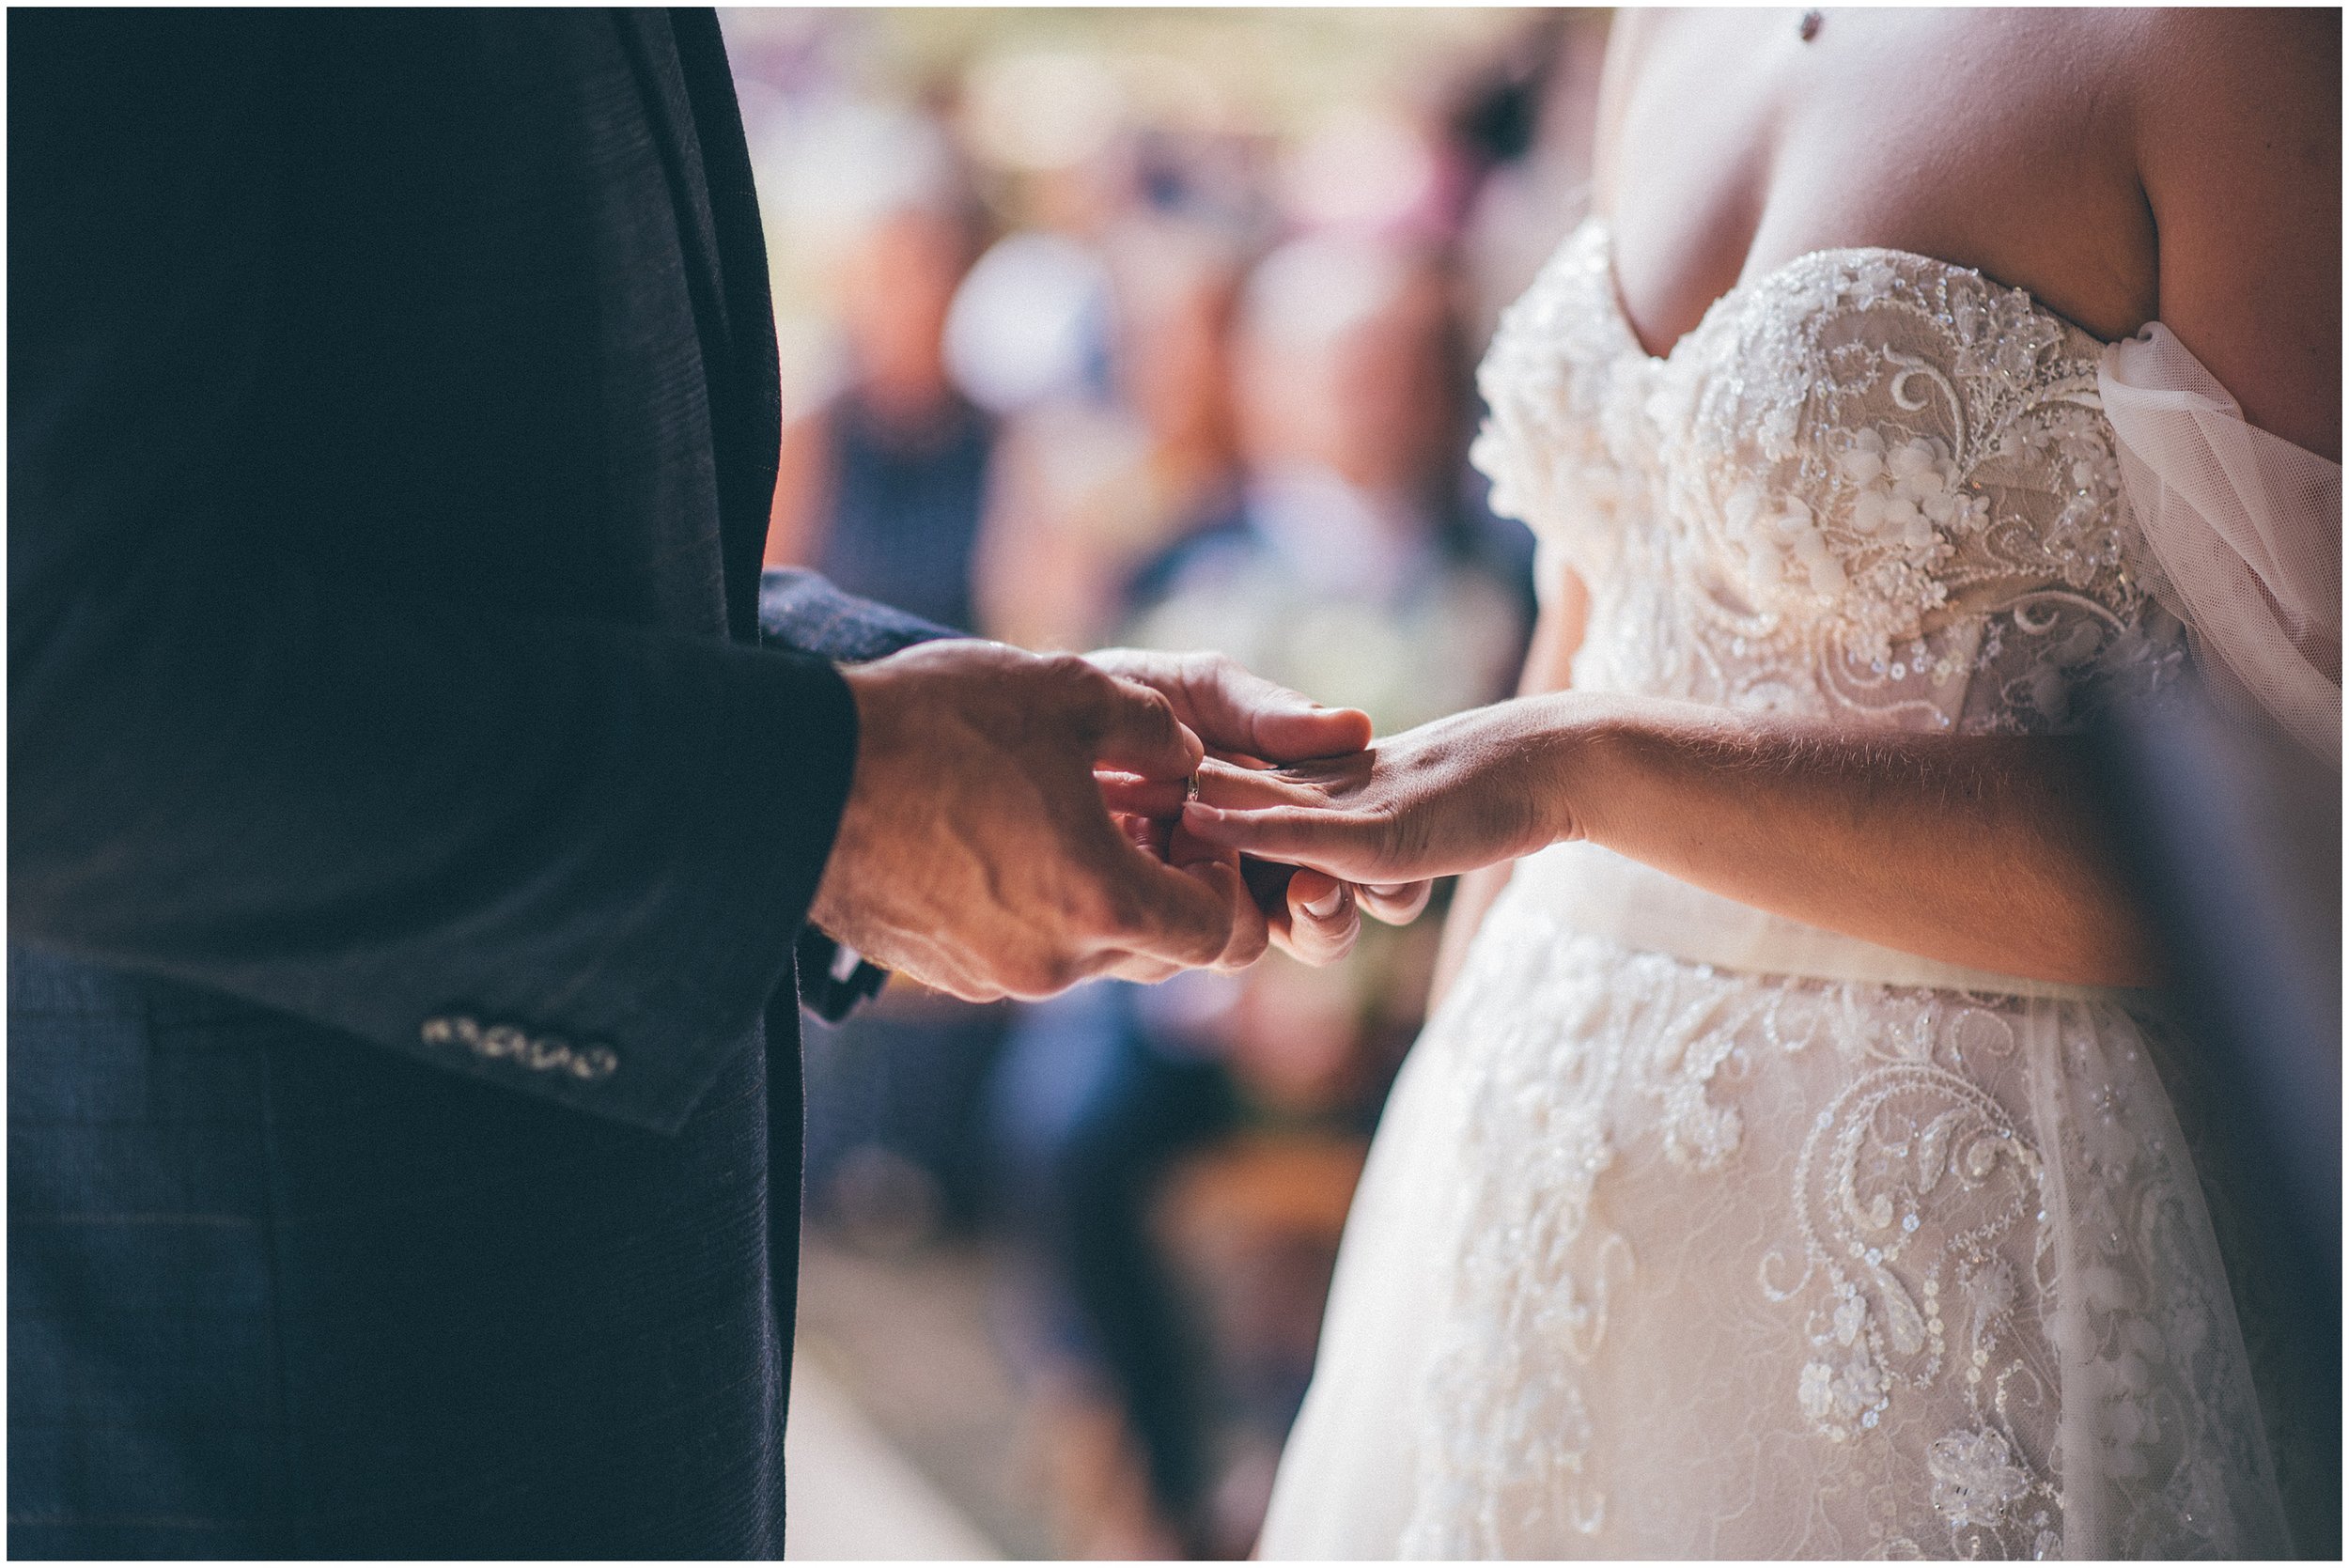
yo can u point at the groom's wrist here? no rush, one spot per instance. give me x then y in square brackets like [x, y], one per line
[859, 836]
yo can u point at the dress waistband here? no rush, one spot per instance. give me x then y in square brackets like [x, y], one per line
[1600, 893]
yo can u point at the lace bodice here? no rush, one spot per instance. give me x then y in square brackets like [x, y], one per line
[1869, 486]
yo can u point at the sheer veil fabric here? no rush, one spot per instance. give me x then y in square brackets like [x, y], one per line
[1694, 1232]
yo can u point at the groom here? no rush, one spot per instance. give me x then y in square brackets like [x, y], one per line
[406, 834]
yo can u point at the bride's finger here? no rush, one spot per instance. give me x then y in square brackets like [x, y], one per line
[1140, 796]
[1322, 918]
[1397, 904]
[1246, 790]
[1327, 839]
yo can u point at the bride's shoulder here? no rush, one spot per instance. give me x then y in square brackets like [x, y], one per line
[2219, 73]
[2199, 39]
[2242, 84]
[2237, 117]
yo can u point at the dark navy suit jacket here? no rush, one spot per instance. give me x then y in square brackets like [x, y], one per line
[407, 833]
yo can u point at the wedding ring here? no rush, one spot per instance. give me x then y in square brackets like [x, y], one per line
[1190, 787]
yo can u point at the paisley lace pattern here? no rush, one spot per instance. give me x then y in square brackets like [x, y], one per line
[1752, 1264]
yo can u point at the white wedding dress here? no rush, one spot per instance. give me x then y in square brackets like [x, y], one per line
[1693, 1231]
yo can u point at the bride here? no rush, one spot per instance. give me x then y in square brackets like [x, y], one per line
[1786, 1171]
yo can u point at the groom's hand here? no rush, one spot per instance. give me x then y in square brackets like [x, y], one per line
[1244, 718]
[976, 854]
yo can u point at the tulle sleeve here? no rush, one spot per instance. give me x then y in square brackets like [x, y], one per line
[2244, 533]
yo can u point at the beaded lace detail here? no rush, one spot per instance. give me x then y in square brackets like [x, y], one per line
[1722, 1263]
[1868, 486]
[1704, 1217]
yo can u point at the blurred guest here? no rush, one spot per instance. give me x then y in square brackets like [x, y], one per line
[1520, 127]
[1346, 569]
[882, 485]
[1342, 564]
[1091, 1104]
[1090, 487]
[1526, 121]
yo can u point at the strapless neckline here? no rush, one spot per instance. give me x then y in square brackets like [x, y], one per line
[1870, 486]
[1620, 318]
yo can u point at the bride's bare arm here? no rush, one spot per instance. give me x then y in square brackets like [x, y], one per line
[2237, 118]
[1975, 850]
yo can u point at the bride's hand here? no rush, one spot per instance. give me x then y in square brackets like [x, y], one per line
[1245, 718]
[1449, 797]
[1312, 917]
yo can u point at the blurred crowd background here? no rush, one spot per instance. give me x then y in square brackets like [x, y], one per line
[1155, 328]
